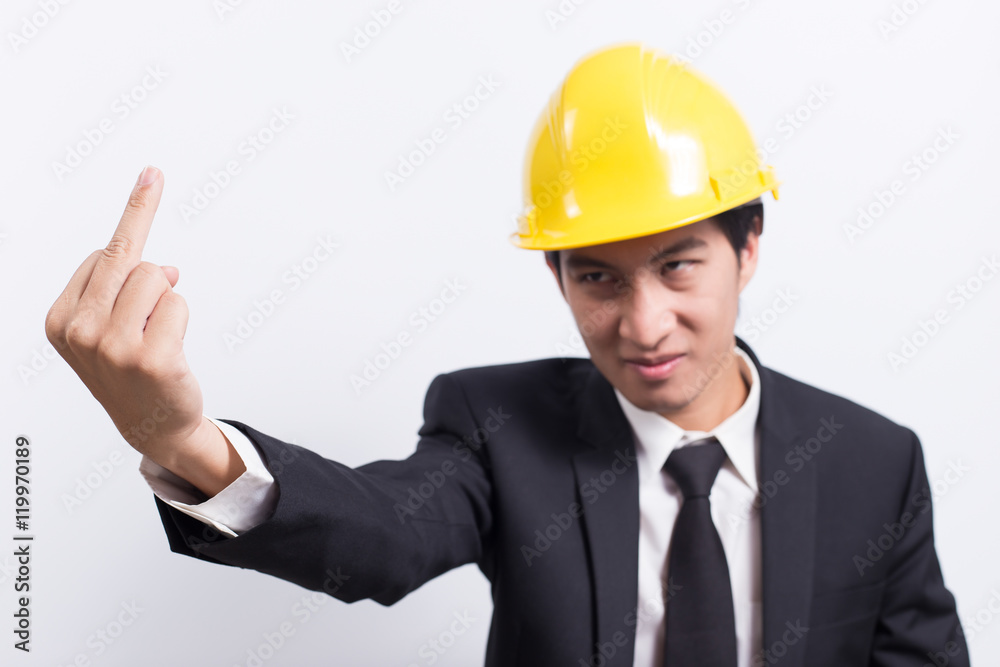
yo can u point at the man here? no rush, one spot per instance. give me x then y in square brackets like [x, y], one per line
[668, 501]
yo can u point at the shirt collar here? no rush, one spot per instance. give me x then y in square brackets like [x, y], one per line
[656, 436]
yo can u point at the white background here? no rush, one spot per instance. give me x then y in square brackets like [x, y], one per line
[854, 302]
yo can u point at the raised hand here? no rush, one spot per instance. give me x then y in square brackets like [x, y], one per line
[120, 327]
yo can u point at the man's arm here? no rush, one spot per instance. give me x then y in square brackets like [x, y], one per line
[378, 531]
[918, 623]
[391, 524]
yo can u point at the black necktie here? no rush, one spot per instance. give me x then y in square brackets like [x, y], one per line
[700, 622]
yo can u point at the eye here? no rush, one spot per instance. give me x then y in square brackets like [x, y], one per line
[593, 277]
[600, 280]
[688, 263]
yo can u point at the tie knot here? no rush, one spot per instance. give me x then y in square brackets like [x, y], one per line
[695, 466]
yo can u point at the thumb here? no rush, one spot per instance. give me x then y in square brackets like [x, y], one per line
[172, 273]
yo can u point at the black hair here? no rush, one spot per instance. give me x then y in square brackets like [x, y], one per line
[736, 224]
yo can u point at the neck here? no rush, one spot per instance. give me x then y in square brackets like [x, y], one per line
[721, 397]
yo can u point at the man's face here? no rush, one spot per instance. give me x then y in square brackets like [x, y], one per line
[657, 314]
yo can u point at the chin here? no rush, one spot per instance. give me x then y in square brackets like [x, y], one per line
[662, 399]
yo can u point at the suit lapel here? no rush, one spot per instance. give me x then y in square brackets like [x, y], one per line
[610, 513]
[611, 517]
[787, 523]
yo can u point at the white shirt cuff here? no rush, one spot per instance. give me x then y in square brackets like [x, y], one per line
[247, 502]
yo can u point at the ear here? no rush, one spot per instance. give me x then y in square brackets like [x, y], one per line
[749, 254]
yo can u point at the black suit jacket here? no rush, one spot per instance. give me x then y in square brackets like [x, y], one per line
[528, 470]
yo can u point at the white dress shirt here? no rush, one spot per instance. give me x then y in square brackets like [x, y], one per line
[251, 498]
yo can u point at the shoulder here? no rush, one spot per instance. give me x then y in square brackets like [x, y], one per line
[552, 373]
[808, 406]
[539, 397]
[546, 389]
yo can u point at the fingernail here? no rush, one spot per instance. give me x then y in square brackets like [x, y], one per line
[147, 176]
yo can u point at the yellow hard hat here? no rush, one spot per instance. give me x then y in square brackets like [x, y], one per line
[634, 142]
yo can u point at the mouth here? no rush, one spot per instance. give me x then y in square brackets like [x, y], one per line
[655, 368]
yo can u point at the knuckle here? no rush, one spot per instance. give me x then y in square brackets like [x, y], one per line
[118, 247]
[109, 349]
[53, 326]
[153, 366]
[175, 301]
[150, 270]
[106, 293]
[145, 364]
[80, 334]
[138, 199]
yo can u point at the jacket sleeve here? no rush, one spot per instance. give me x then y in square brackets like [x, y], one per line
[377, 531]
[918, 622]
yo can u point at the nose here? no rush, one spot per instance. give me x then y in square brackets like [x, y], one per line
[648, 314]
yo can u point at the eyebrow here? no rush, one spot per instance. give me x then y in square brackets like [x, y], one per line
[576, 261]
